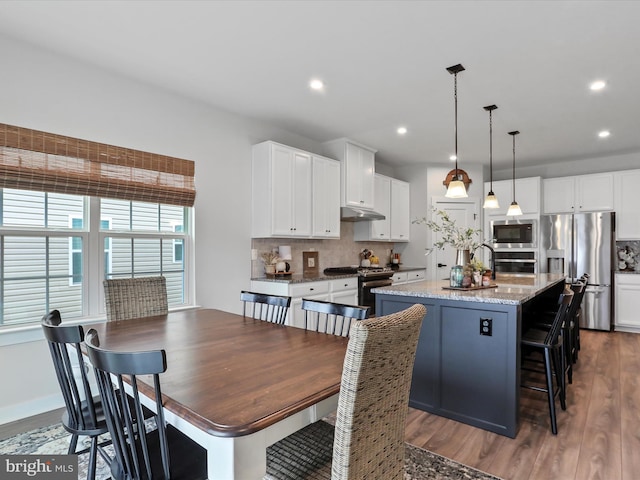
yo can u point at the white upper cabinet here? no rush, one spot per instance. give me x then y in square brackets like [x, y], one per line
[627, 204]
[581, 193]
[400, 221]
[377, 229]
[392, 201]
[281, 188]
[326, 197]
[527, 195]
[358, 167]
[380, 229]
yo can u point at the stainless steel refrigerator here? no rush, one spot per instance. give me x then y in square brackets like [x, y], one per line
[579, 243]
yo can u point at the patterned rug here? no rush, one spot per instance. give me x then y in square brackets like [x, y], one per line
[419, 464]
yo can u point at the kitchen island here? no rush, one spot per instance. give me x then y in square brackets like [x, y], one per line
[467, 364]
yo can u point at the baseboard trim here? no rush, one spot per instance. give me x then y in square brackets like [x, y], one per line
[28, 409]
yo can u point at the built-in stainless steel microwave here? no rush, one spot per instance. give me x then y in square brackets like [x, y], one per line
[514, 233]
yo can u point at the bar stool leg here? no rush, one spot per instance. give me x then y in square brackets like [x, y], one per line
[552, 403]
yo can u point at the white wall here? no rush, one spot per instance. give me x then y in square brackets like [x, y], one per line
[48, 92]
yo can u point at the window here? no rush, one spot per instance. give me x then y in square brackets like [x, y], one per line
[178, 245]
[50, 251]
[75, 250]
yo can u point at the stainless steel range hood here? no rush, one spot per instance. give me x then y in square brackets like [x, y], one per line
[351, 214]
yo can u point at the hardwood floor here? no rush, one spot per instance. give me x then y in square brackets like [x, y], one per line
[598, 435]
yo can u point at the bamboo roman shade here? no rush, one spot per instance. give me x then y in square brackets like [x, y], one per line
[34, 160]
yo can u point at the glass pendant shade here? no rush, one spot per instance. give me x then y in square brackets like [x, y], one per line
[514, 209]
[456, 189]
[491, 201]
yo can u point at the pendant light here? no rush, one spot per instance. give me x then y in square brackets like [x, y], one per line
[491, 201]
[456, 188]
[514, 208]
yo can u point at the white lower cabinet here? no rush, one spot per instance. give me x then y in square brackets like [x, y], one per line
[416, 276]
[411, 276]
[399, 278]
[344, 290]
[627, 302]
[339, 290]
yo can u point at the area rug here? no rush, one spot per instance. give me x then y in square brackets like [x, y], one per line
[419, 464]
[289, 459]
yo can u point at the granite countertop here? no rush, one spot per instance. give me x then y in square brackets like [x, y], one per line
[511, 289]
[300, 278]
[402, 268]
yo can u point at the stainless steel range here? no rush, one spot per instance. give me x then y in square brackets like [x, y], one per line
[368, 278]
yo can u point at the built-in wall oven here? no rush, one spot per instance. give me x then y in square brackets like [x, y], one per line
[368, 278]
[515, 261]
[514, 233]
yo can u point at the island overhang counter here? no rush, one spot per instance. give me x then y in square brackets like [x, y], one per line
[467, 365]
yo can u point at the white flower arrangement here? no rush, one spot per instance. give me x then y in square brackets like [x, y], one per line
[460, 238]
[269, 258]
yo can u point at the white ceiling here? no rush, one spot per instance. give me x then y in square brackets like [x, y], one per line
[384, 64]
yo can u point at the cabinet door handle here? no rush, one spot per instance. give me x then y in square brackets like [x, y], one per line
[441, 265]
[311, 289]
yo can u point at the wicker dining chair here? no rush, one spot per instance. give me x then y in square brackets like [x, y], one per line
[329, 317]
[127, 298]
[372, 408]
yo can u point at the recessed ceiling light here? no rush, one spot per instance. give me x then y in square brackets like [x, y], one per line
[604, 133]
[316, 84]
[598, 85]
[402, 130]
[452, 158]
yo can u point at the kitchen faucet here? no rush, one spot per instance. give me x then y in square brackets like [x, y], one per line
[493, 260]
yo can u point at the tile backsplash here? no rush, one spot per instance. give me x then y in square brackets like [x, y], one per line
[331, 253]
[628, 256]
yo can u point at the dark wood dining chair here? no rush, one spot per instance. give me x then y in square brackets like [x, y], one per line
[83, 413]
[140, 453]
[549, 344]
[127, 298]
[333, 318]
[270, 308]
[570, 327]
[368, 439]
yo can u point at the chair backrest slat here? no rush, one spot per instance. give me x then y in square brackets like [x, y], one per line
[270, 308]
[564, 303]
[330, 317]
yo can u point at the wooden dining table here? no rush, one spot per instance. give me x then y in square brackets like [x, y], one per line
[233, 384]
